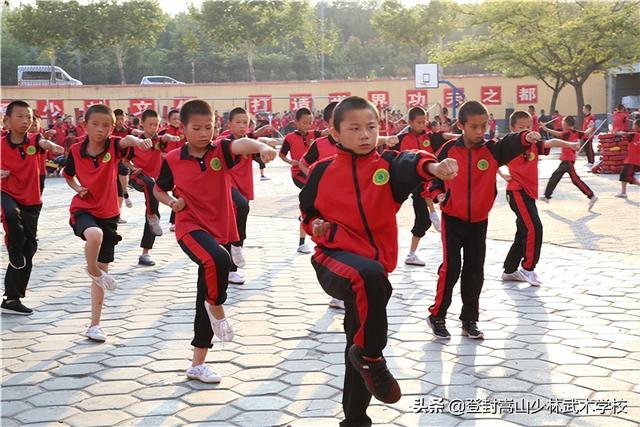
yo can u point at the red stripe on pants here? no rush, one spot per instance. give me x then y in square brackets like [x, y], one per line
[442, 273]
[357, 285]
[530, 245]
[578, 182]
[208, 264]
[143, 184]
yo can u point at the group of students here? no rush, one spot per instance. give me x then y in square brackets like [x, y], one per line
[351, 188]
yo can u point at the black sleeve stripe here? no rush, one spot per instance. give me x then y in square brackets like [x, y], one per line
[309, 192]
[229, 158]
[70, 165]
[312, 155]
[165, 179]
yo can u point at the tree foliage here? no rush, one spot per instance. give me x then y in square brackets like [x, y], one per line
[560, 42]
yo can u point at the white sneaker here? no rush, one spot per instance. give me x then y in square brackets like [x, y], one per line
[588, 165]
[545, 199]
[592, 201]
[172, 228]
[336, 303]
[305, 249]
[105, 280]
[203, 373]
[95, 333]
[236, 278]
[516, 276]
[435, 220]
[412, 259]
[265, 178]
[237, 256]
[622, 195]
[530, 276]
[128, 202]
[154, 224]
[221, 327]
[121, 220]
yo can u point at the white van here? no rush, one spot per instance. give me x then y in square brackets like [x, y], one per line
[42, 75]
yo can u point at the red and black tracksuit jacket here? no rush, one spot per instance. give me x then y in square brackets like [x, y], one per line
[468, 199]
[360, 196]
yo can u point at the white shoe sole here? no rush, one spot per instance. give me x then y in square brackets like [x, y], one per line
[210, 381]
[17, 313]
[96, 339]
[417, 264]
[475, 337]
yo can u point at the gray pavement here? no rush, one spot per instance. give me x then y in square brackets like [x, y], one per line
[567, 353]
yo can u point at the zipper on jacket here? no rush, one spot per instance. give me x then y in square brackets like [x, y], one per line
[361, 208]
[469, 189]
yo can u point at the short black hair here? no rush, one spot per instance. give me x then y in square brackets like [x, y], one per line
[517, 115]
[587, 106]
[99, 109]
[352, 103]
[148, 113]
[570, 120]
[304, 111]
[135, 122]
[445, 110]
[236, 111]
[118, 112]
[172, 112]
[194, 107]
[328, 111]
[471, 108]
[416, 112]
[16, 104]
[532, 107]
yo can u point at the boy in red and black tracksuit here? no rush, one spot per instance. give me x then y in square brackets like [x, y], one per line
[632, 161]
[522, 193]
[588, 122]
[465, 203]
[567, 162]
[242, 183]
[205, 223]
[91, 171]
[172, 129]
[20, 164]
[349, 206]
[415, 137]
[145, 170]
[121, 130]
[297, 143]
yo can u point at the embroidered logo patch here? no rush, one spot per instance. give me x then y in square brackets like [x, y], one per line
[426, 143]
[106, 158]
[31, 150]
[532, 156]
[381, 177]
[483, 164]
[215, 164]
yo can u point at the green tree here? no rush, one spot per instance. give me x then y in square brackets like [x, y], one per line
[561, 43]
[246, 26]
[119, 26]
[51, 25]
[422, 26]
[320, 37]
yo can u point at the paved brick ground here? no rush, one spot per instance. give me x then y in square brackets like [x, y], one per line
[576, 337]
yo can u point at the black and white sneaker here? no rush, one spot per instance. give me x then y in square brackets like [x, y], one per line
[470, 329]
[438, 327]
[15, 307]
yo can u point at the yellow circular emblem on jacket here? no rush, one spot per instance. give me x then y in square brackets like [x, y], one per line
[532, 156]
[483, 164]
[31, 150]
[215, 164]
[106, 158]
[426, 143]
[381, 177]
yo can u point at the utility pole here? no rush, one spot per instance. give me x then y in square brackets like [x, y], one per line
[322, 75]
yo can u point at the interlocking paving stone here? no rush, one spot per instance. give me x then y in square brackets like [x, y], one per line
[573, 337]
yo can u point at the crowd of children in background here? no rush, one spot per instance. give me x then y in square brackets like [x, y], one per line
[340, 162]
